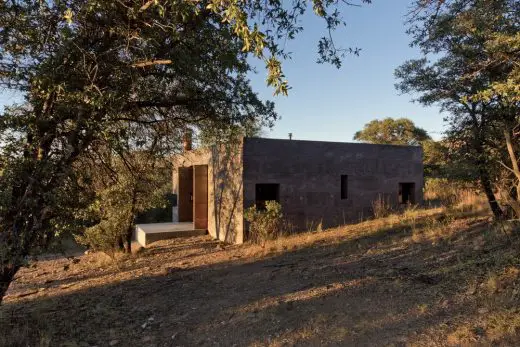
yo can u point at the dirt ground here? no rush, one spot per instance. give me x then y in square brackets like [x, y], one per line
[421, 280]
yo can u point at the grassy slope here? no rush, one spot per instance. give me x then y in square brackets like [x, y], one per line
[427, 277]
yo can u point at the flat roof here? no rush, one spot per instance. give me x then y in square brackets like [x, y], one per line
[330, 142]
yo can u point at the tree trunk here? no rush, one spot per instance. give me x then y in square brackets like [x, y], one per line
[516, 170]
[129, 234]
[131, 226]
[6, 277]
[120, 243]
[488, 190]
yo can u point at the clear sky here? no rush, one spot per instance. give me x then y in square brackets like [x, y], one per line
[330, 104]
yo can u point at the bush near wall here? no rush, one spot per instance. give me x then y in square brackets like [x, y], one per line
[265, 224]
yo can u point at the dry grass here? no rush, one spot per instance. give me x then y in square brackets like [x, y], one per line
[381, 207]
[422, 277]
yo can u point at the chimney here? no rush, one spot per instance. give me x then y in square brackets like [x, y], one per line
[187, 139]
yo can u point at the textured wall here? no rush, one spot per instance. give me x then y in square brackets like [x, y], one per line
[309, 176]
[225, 194]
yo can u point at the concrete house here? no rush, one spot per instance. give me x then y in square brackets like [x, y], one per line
[315, 182]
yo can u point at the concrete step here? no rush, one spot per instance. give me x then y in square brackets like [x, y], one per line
[148, 233]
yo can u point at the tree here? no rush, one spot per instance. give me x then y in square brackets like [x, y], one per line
[89, 68]
[126, 185]
[128, 173]
[463, 78]
[443, 159]
[401, 131]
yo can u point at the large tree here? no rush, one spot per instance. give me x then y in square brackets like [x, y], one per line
[390, 131]
[89, 68]
[468, 69]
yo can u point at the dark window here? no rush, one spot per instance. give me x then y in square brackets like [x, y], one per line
[266, 192]
[407, 193]
[344, 187]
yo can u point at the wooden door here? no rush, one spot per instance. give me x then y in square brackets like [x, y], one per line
[200, 197]
[185, 191]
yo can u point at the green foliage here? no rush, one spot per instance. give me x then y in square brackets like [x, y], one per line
[470, 69]
[125, 187]
[252, 23]
[391, 131]
[228, 134]
[264, 224]
[108, 235]
[442, 159]
[107, 75]
[445, 191]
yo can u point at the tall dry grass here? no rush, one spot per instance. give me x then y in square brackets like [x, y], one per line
[381, 207]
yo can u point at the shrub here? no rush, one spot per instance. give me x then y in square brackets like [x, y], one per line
[109, 234]
[264, 224]
[449, 192]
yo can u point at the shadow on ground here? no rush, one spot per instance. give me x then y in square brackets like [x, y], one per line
[380, 289]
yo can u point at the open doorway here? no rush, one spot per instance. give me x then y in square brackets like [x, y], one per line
[193, 195]
[407, 193]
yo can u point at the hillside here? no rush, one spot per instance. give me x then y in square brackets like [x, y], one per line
[423, 278]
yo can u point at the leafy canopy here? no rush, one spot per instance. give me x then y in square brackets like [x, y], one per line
[401, 131]
[470, 68]
[94, 72]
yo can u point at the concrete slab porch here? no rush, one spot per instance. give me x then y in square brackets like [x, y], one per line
[148, 233]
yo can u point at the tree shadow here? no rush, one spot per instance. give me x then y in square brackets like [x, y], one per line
[334, 293]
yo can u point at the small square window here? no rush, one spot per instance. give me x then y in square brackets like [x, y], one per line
[266, 192]
[344, 187]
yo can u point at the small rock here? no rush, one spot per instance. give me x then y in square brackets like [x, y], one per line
[75, 261]
[66, 267]
[219, 247]
[87, 252]
[483, 310]
[151, 319]
[113, 342]
[144, 325]
[174, 336]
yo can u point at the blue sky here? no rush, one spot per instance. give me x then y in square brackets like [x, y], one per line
[330, 104]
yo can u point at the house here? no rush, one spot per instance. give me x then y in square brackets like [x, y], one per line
[315, 182]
